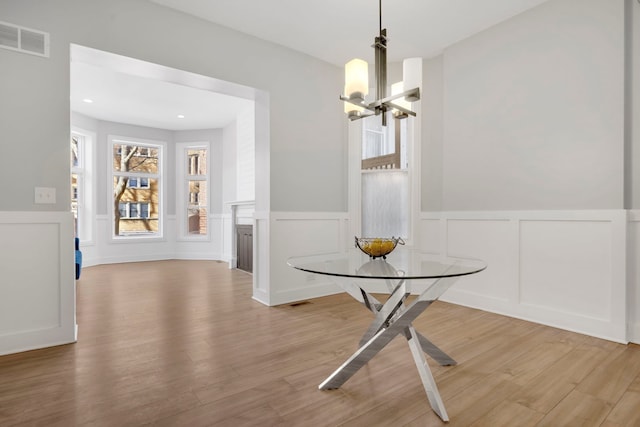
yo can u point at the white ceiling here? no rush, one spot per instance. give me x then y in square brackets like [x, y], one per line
[332, 30]
[128, 90]
[339, 30]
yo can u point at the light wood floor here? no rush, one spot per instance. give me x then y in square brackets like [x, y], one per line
[181, 343]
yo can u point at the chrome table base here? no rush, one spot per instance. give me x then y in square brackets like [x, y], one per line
[391, 319]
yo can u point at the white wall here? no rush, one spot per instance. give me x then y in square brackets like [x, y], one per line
[245, 155]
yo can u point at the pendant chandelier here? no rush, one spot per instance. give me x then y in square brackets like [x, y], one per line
[356, 86]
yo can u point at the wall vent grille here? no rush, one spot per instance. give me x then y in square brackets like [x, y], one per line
[26, 40]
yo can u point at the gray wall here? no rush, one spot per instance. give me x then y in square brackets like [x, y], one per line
[431, 162]
[532, 113]
[307, 146]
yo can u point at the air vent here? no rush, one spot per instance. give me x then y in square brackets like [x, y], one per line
[26, 40]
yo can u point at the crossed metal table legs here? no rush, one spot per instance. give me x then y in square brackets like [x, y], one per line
[391, 319]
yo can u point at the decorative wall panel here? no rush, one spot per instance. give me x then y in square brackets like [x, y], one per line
[37, 291]
[566, 269]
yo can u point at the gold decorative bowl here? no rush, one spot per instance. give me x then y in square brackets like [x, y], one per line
[378, 247]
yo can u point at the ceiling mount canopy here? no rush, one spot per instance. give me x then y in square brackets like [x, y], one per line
[356, 85]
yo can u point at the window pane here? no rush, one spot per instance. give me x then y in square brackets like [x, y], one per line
[378, 140]
[197, 207]
[385, 204]
[135, 158]
[133, 182]
[197, 220]
[144, 210]
[197, 161]
[198, 192]
[75, 154]
[144, 206]
[133, 210]
[74, 201]
[74, 191]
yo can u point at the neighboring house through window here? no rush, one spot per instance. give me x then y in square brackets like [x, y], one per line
[136, 171]
[193, 189]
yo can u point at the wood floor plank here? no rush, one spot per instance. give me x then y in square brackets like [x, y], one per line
[577, 409]
[175, 343]
[626, 412]
[509, 414]
[613, 377]
[550, 387]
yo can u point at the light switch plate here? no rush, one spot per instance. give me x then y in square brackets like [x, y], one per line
[45, 195]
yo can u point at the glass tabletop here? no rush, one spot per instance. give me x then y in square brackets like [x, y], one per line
[404, 262]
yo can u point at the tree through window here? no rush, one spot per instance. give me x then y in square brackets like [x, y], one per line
[136, 175]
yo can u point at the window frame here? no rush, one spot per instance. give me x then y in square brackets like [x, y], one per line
[182, 190]
[160, 178]
[393, 160]
[86, 184]
[396, 162]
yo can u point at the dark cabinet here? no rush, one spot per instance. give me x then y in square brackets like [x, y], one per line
[244, 239]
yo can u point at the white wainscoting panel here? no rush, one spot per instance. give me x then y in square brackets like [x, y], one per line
[261, 258]
[37, 291]
[633, 274]
[202, 248]
[494, 239]
[105, 250]
[227, 241]
[565, 269]
[297, 234]
[566, 265]
[429, 235]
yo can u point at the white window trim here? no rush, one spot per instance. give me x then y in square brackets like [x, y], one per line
[87, 195]
[182, 194]
[161, 177]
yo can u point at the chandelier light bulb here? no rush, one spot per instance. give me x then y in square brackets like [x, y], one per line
[356, 77]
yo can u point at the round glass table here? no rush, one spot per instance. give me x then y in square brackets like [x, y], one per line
[360, 276]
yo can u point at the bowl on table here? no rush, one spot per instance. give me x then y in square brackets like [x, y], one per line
[378, 246]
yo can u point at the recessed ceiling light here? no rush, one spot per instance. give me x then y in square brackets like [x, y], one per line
[180, 116]
[88, 101]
